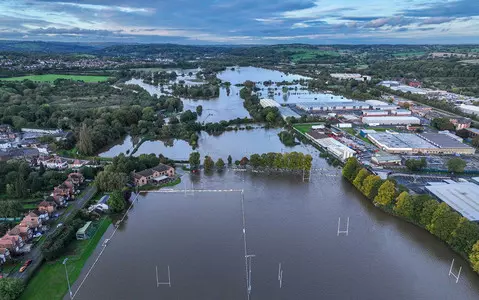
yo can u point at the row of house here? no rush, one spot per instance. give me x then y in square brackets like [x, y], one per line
[156, 174]
[14, 240]
[57, 163]
[67, 190]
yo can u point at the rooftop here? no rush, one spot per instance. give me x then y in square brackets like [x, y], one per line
[443, 140]
[462, 197]
[400, 140]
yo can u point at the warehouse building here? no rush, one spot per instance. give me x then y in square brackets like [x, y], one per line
[410, 143]
[347, 76]
[463, 197]
[334, 147]
[383, 158]
[375, 113]
[314, 107]
[287, 112]
[268, 103]
[470, 109]
[391, 120]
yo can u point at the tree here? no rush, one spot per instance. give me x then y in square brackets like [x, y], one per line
[418, 205]
[442, 124]
[194, 160]
[220, 164]
[443, 222]
[271, 117]
[429, 207]
[255, 160]
[85, 142]
[116, 202]
[371, 186]
[11, 288]
[230, 160]
[173, 120]
[358, 181]
[475, 141]
[404, 205]
[416, 164]
[464, 236]
[351, 168]
[386, 194]
[474, 257]
[110, 181]
[199, 110]
[456, 165]
[208, 164]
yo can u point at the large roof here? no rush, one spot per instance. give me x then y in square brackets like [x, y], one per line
[462, 197]
[443, 140]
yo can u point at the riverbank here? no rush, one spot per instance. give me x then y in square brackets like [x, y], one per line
[49, 282]
[422, 210]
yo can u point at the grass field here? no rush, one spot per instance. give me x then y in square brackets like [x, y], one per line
[49, 282]
[53, 77]
[303, 128]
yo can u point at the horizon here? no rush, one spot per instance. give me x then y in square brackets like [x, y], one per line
[247, 22]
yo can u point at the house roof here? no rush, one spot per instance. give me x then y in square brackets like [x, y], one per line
[45, 203]
[138, 175]
[146, 173]
[161, 168]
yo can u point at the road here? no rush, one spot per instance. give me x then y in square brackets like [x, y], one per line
[36, 255]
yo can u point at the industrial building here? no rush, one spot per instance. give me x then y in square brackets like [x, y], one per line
[268, 103]
[470, 109]
[381, 105]
[390, 120]
[383, 158]
[347, 76]
[287, 112]
[375, 113]
[336, 148]
[410, 143]
[462, 197]
[314, 107]
[333, 146]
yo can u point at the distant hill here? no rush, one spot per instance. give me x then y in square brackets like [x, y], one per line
[48, 47]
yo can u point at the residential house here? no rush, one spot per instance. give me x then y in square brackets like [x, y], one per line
[153, 174]
[461, 123]
[76, 178]
[64, 190]
[47, 207]
[77, 164]
[54, 162]
[33, 220]
[25, 232]
[11, 242]
[4, 255]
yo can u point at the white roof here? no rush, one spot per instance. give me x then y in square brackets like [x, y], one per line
[462, 197]
[405, 119]
[268, 103]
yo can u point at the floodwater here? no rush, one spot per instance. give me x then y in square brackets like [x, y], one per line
[200, 237]
[235, 143]
[229, 105]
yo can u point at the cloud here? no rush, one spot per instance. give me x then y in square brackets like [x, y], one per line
[70, 31]
[458, 8]
[393, 21]
[300, 25]
[125, 9]
[436, 20]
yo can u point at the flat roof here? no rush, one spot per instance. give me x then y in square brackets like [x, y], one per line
[443, 140]
[400, 140]
[462, 197]
[160, 178]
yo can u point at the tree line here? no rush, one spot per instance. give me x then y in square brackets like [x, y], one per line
[423, 210]
[294, 161]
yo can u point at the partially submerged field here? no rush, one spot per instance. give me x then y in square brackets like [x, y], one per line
[53, 77]
[304, 128]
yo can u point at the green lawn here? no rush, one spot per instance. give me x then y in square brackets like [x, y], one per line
[49, 282]
[303, 128]
[53, 77]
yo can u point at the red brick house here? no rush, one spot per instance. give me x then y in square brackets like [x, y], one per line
[47, 207]
[149, 175]
[76, 178]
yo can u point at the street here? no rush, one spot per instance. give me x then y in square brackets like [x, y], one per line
[36, 255]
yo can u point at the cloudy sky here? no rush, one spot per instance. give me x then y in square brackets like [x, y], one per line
[242, 21]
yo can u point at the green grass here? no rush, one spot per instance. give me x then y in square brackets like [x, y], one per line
[304, 128]
[29, 206]
[53, 77]
[49, 283]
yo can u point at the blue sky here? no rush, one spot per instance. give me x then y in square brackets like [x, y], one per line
[242, 21]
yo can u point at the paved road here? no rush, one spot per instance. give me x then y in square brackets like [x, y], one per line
[36, 255]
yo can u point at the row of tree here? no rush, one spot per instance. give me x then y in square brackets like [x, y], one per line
[423, 210]
[288, 161]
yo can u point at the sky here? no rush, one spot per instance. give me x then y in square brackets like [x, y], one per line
[242, 21]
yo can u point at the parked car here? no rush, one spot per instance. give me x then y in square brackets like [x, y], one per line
[59, 225]
[25, 266]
